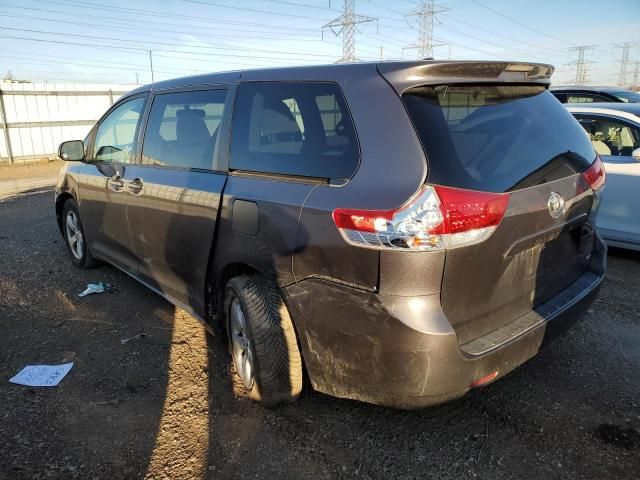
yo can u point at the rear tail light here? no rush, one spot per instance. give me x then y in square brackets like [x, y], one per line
[436, 218]
[595, 175]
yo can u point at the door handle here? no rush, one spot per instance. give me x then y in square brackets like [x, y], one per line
[135, 186]
[116, 183]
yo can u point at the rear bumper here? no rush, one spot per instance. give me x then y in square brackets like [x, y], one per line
[402, 351]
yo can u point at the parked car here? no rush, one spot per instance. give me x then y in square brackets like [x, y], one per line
[614, 130]
[588, 94]
[409, 230]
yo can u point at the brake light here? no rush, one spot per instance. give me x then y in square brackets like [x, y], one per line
[595, 174]
[437, 217]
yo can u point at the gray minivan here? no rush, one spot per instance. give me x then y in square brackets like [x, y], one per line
[403, 231]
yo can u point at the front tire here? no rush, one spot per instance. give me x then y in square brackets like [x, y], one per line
[75, 238]
[262, 340]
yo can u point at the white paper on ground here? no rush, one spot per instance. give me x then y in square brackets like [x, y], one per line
[41, 375]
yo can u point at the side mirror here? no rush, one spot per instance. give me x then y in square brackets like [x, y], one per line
[71, 151]
[636, 154]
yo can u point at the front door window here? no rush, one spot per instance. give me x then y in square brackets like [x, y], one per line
[115, 138]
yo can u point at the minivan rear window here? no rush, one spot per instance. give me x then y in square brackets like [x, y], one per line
[496, 138]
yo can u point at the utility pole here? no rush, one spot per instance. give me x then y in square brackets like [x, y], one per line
[624, 62]
[137, 79]
[345, 24]
[151, 66]
[582, 65]
[426, 15]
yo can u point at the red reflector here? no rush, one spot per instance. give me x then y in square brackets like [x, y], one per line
[484, 380]
[595, 174]
[465, 210]
[361, 220]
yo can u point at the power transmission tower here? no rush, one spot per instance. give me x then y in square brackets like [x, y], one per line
[426, 15]
[624, 62]
[582, 65]
[636, 71]
[345, 24]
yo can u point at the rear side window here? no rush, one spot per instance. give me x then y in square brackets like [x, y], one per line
[301, 129]
[183, 129]
[610, 136]
[497, 138]
[586, 98]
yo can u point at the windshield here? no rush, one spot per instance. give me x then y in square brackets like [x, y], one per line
[627, 96]
[497, 138]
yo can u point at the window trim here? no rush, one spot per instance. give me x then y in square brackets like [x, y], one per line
[94, 131]
[222, 147]
[335, 182]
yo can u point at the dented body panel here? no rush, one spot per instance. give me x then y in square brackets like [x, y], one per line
[402, 351]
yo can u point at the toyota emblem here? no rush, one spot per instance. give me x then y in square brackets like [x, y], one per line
[555, 204]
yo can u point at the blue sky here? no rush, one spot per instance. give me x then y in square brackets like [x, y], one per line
[107, 41]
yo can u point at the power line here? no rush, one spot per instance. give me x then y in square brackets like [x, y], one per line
[398, 12]
[252, 10]
[136, 49]
[296, 4]
[346, 24]
[226, 48]
[519, 52]
[76, 64]
[501, 35]
[426, 14]
[172, 16]
[521, 23]
[164, 30]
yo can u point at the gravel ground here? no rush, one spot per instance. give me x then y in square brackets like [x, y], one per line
[162, 405]
[43, 168]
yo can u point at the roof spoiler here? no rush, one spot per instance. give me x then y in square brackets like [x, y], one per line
[404, 75]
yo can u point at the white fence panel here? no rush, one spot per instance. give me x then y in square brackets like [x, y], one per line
[36, 117]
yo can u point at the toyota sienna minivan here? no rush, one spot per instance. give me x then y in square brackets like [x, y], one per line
[404, 232]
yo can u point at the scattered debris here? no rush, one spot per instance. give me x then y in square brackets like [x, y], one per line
[486, 439]
[135, 337]
[99, 287]
[41, 375]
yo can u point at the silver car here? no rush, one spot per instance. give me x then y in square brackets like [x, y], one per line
[614, 130]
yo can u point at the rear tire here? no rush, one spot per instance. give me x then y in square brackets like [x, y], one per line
[75, 238]
[262, 340]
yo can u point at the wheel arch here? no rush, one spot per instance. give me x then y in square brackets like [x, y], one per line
[60, 201]
[217, 278]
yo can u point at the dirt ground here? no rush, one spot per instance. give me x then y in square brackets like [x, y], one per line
[45, 168]
[162, 406]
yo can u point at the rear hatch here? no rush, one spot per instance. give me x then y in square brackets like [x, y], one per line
[513, 139]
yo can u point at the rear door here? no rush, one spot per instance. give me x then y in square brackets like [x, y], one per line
[287, 139]
[615, 139]
[516, 139]
[102, 183]
[175, 189]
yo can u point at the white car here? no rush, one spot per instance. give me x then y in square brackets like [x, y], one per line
[614, 129]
